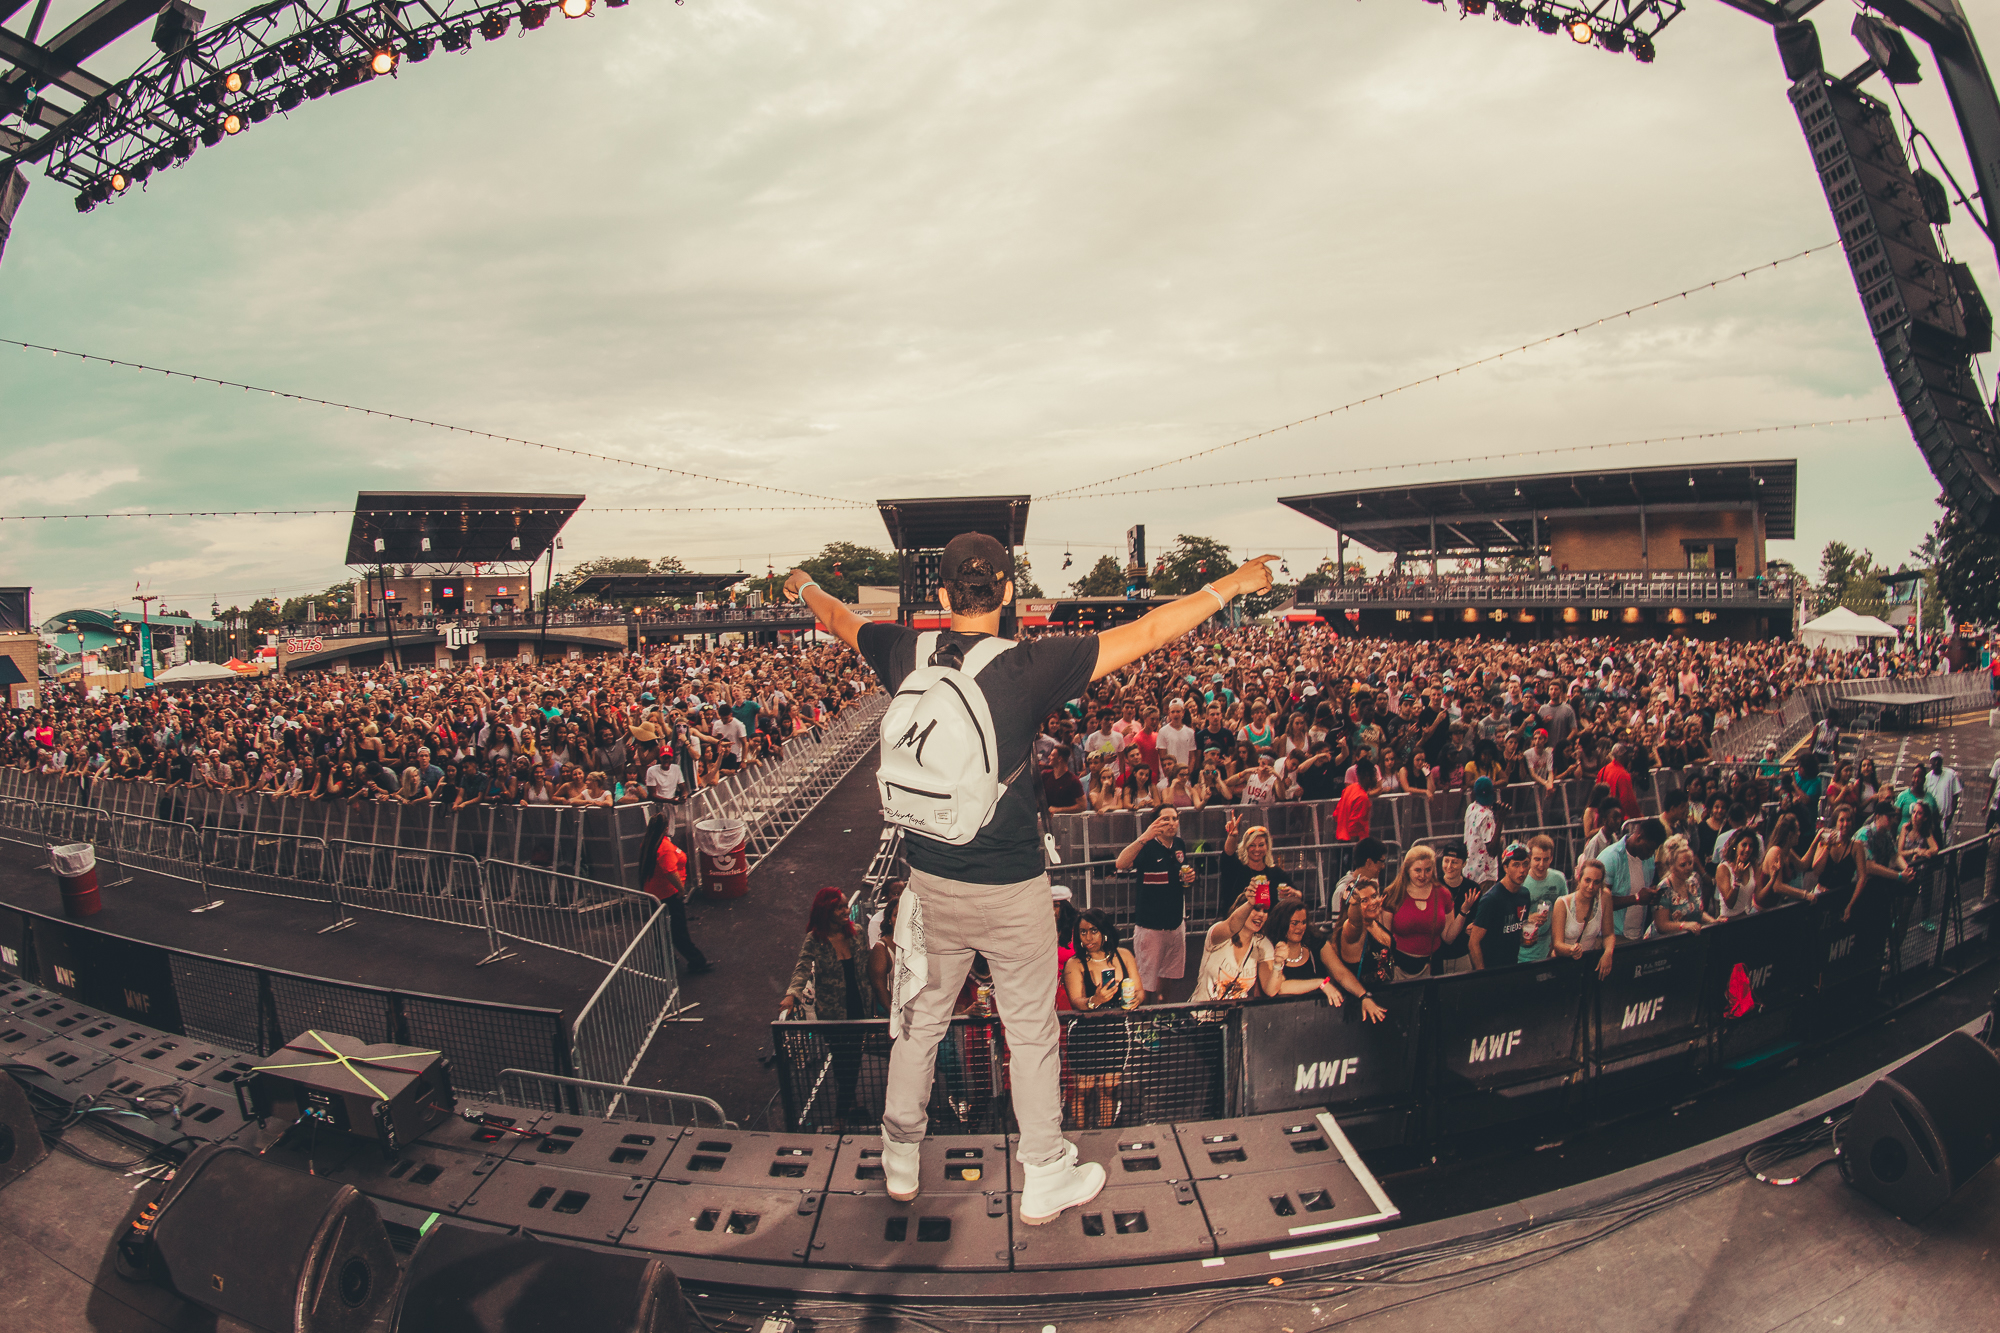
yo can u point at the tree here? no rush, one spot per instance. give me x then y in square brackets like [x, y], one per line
[263, 615]
[843, 568]
[1106, 578]
[337, 602]
[1849, 578]
[1189, 563]
[1024, 578]
[562, 594]
[1968, 569]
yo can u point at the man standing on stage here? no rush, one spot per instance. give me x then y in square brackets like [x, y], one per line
[990, 894]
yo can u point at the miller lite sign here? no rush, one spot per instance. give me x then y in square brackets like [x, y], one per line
[461, 636]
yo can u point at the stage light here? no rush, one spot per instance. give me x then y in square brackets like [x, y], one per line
[456, 39]
[119, 181]
[418, 49]
[1613, 39]
[319, 85]
[1548, 21]
[161, 160]
[290, 98]
[294, 53]
[1642, 49]
[140, 172]
[494, 26]
[379, 546]
[1511, 11]
[84, 201]
[259, 112]
[615, 4]
[232, 124]
[235, 81]
[1581, 32]
[383, 61]
[266, 66]
[534, 16]
[212, 136]
[183, 148]
[575, 9]
[1473, 6]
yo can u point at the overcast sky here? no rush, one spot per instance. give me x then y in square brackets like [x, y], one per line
[887, 248]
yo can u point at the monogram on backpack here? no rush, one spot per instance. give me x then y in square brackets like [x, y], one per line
[940, 775]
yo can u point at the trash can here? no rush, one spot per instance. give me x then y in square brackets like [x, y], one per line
[76, 865]
[725, 866]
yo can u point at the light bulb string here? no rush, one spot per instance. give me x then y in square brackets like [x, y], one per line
[424, 421]
[1490, 358]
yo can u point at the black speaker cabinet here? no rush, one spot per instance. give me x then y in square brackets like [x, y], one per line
[463, 1280]
[1921, 1132]
[20, 1140]
[272, 1247]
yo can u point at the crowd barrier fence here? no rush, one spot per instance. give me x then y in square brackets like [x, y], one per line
[773, 797]
[1803, 707]
[244, 1008]
[1455, 1053]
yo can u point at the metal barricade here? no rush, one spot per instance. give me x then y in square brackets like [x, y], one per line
[609, 1101]
[641, 991]
[773, 797]
[536, 905]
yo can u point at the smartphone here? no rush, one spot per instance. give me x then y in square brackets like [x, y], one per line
[1104, 977]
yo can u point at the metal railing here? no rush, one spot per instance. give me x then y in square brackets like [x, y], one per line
[641, 991]
[1696, 587]
[773, 797]
[558, 911]
[1804, 706]
[608, 1101]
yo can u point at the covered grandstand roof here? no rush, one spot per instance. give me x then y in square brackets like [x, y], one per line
[1499, 513]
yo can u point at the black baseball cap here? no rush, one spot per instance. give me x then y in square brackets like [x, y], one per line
[976, 546]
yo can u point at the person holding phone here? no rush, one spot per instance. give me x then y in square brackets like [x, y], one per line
[1100, 975]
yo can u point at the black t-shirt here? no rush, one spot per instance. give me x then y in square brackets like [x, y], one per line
[1321, 782]
[1500, 914]
[1022, 687]
[1162, 903]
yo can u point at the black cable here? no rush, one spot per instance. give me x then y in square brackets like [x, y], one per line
[1916, 135]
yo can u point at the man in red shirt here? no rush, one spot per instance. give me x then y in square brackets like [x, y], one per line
[1350, 817]
[1614, 776]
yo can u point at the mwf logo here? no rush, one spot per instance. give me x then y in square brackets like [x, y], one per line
[1496, 1047]
[10, 957]
[1324, 1074]
[65, 977]
[1643, 1012]
[138, 1002]
[1840, 948]
[1757, 976]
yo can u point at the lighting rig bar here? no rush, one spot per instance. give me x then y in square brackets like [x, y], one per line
[207, 86]
[1616, 25]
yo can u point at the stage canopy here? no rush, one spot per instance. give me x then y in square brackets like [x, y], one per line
[461, 528]
[614, 587]
[1503, 514]
[927, 524]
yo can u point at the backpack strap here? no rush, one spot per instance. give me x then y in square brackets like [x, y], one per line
[927, 643]
[983, 653]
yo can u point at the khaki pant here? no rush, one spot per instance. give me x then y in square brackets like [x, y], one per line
[1012, 926]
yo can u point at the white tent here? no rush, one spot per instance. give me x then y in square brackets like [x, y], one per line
[195, 673]
[1843, 628]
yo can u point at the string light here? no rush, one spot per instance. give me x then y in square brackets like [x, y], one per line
[411, 513]
[434, 425]
[1483, 458]
[1432, 379]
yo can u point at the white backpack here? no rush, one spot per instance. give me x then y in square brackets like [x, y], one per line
[940, 757]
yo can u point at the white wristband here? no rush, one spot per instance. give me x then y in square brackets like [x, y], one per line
[1209, 588]
[810, 583]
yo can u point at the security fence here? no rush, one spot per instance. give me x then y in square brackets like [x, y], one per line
[774, 796]
[582, 1096]
[1453, 1054]
[1802, 709]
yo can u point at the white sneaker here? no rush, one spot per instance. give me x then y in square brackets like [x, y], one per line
[1059, 1185]
[899, 1168]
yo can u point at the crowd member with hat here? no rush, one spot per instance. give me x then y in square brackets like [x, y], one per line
[1482, 833]
[1500, 921]
[1943, 789]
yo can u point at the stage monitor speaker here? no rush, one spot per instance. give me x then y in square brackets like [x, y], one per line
[466, 1281]
[1922, 1131]
[21, 1143]
[274, 1248]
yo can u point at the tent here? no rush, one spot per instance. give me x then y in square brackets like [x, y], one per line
[194, 673]
[1843, 628]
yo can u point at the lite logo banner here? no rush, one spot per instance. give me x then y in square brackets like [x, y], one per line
[1495, 1047]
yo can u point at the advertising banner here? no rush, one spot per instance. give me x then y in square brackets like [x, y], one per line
[1301, 1053]
[1652, 997]
[1507, 1025]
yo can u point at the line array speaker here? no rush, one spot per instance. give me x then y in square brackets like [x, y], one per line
[21, 1143]
[463, 1280]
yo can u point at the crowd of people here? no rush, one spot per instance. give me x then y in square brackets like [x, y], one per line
[1249, 717]
[590, 731]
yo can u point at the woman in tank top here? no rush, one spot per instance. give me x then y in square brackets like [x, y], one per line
[1784, 878]
[1739, 877]
[1421, 920]
[1581, 921]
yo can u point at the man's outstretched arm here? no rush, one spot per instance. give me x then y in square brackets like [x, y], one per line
[1159, 627]
[840, 622]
